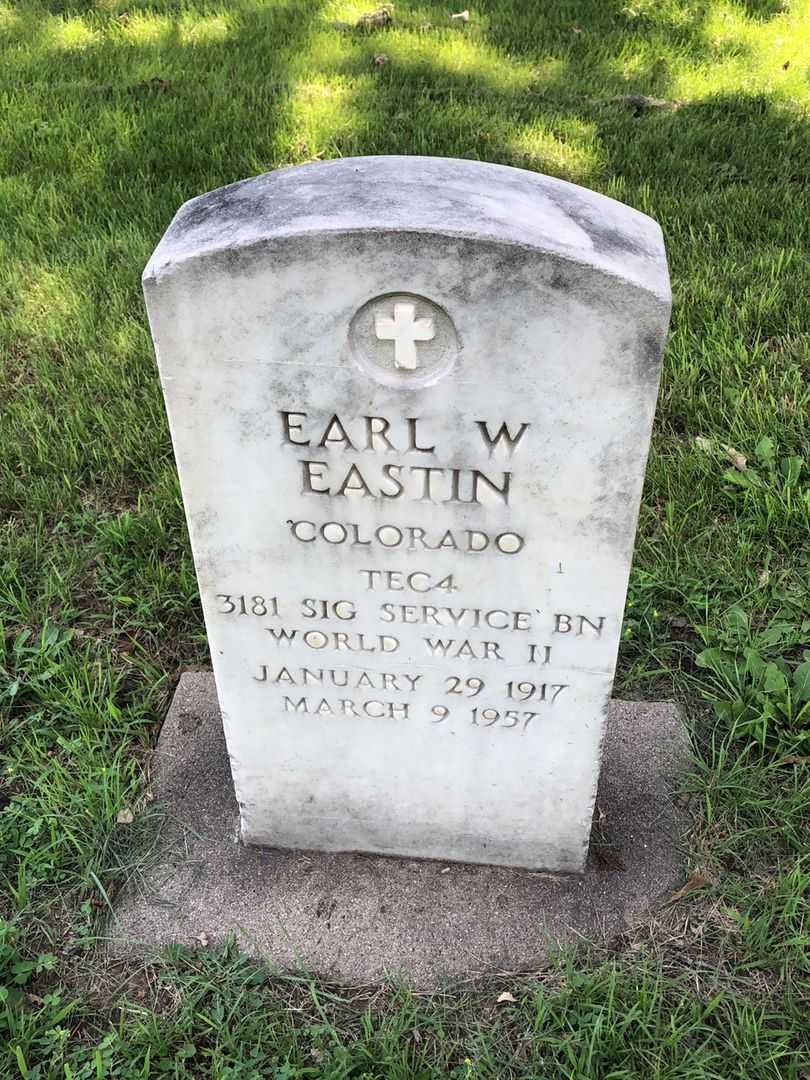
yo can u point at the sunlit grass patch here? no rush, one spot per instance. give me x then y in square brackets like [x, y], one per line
[460, 58]
[323, 116]
[145, 28]
[69, 34]
[9, 17]
[750, 56]
[200, 29]
[569, 150]
[50, 306]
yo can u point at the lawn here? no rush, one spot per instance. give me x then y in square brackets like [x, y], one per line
[115, 112]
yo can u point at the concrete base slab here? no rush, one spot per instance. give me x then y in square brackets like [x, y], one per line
[356, 918]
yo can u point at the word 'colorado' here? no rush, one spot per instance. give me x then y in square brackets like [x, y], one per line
[409, 538]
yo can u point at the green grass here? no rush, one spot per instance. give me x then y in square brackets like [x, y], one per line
[111, 115]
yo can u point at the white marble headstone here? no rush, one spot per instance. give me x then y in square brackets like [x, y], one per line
[411, 402]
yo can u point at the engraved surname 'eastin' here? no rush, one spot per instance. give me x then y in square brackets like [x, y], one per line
[425, 483]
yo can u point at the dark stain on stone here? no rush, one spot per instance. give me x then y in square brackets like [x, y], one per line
[608, 861]
[560, 282]
[606, 238]
[188, 723]
[648, 355]
[325, 908]
[224, 202]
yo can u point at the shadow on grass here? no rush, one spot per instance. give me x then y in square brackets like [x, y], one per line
[114, 120]
[105, 136]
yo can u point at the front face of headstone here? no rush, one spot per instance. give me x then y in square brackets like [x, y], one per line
[411, 402]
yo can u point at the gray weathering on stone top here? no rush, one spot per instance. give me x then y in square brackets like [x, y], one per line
[466, 199]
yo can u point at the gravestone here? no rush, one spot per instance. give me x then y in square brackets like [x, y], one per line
[410, 401]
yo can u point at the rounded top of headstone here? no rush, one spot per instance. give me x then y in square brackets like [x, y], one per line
[412, 195]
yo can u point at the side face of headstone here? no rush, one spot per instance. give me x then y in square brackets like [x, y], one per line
[411, 402]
